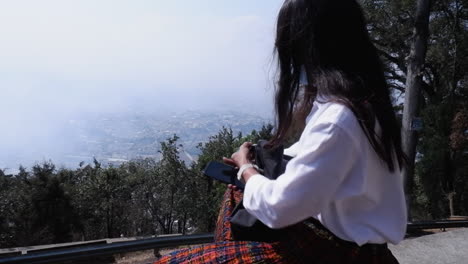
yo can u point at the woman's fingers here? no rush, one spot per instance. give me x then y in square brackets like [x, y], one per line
[234, 155]
[229, 162]
[246, 146]
[240, 157]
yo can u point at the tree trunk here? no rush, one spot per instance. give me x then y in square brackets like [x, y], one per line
[210, 218]
[412, 94]
[108, 223]
[184, 223]
[451, 208]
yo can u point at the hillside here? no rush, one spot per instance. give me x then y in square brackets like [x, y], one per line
[117, 137]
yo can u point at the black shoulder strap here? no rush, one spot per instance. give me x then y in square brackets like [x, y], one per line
[269, 159]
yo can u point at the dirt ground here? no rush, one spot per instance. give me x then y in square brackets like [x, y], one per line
[143, 257]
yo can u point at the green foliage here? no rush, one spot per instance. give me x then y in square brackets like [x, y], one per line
[138, 198]
[218, 146]
[7, 210]
[431, 168]
[265, 133]
[390, 23]
[440, 170]
[221, 145]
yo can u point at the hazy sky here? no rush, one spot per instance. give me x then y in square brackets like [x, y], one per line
[62, 57]
[68, 49]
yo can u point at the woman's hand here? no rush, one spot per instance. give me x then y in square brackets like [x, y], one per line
[241, 157]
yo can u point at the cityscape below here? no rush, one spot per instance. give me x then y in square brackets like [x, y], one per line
[114, 138]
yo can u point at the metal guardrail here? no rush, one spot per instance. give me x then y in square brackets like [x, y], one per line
[71, 254]
[441, 224]
[108, 249]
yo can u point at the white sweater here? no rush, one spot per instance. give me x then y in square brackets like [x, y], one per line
[335, 177]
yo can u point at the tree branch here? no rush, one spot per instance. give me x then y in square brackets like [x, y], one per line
[401, 65]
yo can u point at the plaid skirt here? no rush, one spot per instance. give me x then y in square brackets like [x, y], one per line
[306, 242]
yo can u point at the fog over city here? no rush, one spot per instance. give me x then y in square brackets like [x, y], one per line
[66, 60]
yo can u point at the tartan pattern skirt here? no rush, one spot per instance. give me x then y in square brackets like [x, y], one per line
[303, 243]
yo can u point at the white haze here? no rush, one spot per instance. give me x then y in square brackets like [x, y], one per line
[60, 59]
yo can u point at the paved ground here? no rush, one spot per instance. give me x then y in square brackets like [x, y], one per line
[449, 247]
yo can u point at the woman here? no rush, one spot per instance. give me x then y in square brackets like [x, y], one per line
[341, 197]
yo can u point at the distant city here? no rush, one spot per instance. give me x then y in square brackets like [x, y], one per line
[117, 138]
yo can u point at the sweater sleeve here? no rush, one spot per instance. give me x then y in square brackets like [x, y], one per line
[309, 182]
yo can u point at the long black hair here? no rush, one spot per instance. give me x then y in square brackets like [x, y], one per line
[328, 38]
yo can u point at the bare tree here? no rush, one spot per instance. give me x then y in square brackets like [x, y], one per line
[414, 83]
